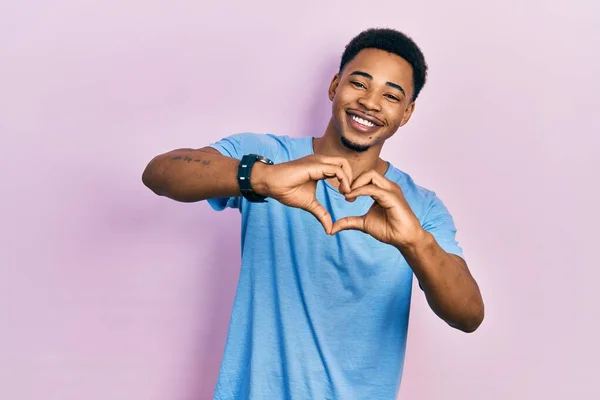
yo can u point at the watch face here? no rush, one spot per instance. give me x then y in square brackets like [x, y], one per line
[265, 160]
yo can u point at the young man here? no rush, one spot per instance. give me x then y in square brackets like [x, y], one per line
[331, 237]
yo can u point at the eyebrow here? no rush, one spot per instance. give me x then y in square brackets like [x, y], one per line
[390, 84]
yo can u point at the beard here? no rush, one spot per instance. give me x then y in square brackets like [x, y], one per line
[359, 148]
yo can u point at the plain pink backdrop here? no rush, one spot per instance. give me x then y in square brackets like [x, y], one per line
[108, 292]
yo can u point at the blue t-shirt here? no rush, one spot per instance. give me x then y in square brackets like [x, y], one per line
[316, 316]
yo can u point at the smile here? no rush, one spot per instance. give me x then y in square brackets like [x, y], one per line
[362, 125]
[363, 121]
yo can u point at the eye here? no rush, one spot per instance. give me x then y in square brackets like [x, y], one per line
[358, 85]
[392, 97]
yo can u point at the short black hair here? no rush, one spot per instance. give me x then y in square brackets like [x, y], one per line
[392, 41]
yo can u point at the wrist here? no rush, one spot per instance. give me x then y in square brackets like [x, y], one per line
[420, 241]
[258, 179]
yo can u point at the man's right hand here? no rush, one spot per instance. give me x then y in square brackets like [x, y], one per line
[294, 183]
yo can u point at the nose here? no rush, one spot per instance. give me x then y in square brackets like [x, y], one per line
[370, 101]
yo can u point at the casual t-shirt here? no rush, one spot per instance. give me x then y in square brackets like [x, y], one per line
[316, 316]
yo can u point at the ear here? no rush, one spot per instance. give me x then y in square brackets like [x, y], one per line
[333, 86]
[407, 113]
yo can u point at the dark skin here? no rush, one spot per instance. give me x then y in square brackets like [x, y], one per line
[371, 99]
[378, 85]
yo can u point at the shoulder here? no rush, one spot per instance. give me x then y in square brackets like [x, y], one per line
[431, 211]
[278, 148]
[424, 202]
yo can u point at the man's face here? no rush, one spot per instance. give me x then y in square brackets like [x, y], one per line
[371, 98]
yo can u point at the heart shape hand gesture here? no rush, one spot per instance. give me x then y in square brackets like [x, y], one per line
[389, 220]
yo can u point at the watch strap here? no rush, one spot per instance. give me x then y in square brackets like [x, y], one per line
[243, 176]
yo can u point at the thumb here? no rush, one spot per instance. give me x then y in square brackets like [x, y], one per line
[316, 209]
[347, 223]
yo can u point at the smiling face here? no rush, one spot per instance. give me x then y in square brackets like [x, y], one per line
[372, 98]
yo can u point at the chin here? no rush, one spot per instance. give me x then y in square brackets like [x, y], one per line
[354, 146]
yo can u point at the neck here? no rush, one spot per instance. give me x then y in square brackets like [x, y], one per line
[331, 145]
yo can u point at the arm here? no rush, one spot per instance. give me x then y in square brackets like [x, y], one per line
[189, 175]
[451, 291]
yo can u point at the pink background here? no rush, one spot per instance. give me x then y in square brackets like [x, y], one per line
[108, 292]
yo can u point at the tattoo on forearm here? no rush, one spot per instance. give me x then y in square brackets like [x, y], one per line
[190, 159]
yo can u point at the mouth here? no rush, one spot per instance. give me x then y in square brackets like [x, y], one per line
[362, 122]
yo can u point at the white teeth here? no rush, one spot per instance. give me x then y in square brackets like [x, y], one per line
[362, 121]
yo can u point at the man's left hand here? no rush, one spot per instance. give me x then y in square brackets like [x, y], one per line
[390, 218]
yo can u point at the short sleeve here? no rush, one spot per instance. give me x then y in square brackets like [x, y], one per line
[236, 146]
[440, 224]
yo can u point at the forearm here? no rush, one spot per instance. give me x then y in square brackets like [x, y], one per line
[190, 175]
[451, 291]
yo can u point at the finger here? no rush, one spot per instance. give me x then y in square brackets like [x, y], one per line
[321, 214]
[331, 170]
[347, 223]
[372, 177]
[383, 197]
[343, 163]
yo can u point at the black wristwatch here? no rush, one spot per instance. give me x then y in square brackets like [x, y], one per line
[244, 171]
